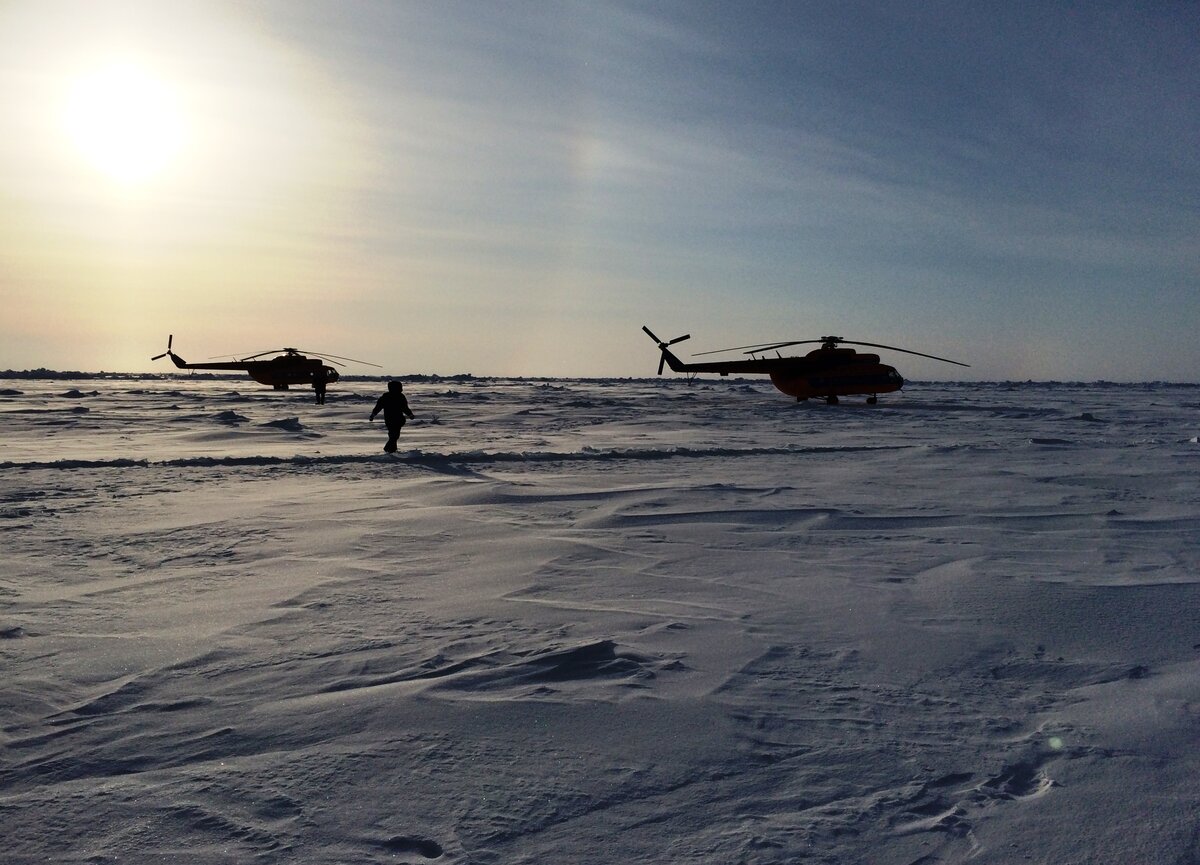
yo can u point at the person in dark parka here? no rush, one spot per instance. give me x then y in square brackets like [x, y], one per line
[394, 405]
[320, 381]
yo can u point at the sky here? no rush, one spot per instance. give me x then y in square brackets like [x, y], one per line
[516, 188]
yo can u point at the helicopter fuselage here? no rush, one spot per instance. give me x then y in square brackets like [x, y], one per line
[829, 371]
[278, 372]
[822, 373]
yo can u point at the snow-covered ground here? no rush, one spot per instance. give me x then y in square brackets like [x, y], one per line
[599, 622]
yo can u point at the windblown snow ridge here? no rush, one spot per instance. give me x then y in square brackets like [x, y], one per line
[435, 458]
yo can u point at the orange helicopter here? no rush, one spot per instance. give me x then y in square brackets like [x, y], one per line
[826, 372]
[287, 368]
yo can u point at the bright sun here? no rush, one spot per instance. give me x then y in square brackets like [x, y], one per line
[125, 122]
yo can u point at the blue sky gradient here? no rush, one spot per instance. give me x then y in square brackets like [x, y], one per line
[515, 188]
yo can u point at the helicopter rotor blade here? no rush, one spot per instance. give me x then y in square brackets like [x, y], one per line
[827, 340]
[758, 346]
[772, 346]
[260, 354]
[905, 350]
[664, 343]
[170, 337]
[338, 357]
[238, 357]
[837, 340]
[332, 358]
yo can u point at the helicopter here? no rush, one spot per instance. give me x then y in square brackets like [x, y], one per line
[826, 372]
[288, 367]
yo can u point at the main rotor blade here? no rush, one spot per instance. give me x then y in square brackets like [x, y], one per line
[772, 346]
[758, 346]
[906, 351]
[840, 341]
[337, 357]
[247, 357]
[261, 353]
[776, 345]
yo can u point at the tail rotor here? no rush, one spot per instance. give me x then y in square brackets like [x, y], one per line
[663, 346]
[168, 351]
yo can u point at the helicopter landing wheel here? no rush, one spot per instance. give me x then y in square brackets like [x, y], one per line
[871, 400]
[831, 400]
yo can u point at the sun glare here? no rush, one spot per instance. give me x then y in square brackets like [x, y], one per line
[125, 122]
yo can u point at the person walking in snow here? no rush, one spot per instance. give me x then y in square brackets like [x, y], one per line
[394, 405]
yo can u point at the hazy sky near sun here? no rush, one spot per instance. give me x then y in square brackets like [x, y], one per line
[515, 188]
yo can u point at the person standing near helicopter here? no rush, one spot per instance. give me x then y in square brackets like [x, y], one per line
[320, 381]
[394, 405]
